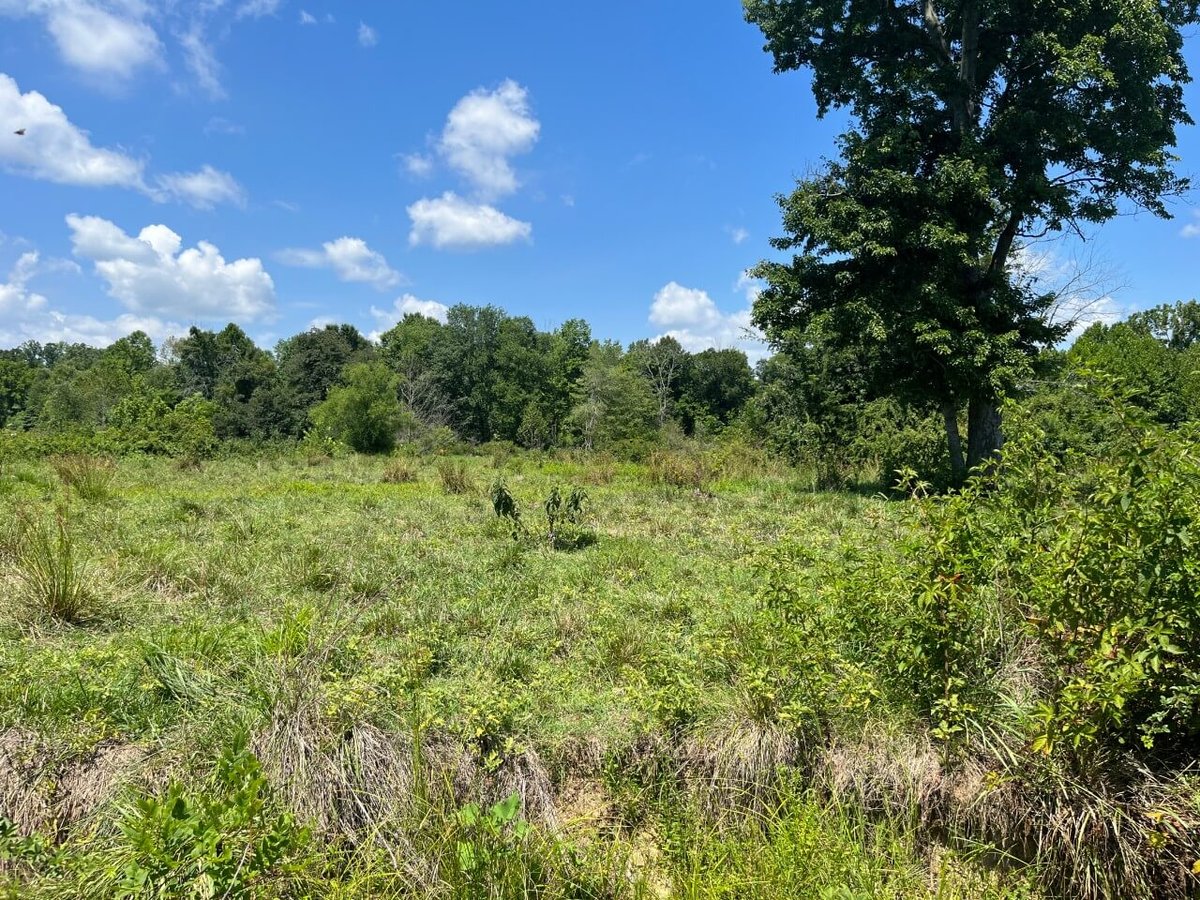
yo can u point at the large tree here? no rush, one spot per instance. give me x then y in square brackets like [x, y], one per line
[974, 127]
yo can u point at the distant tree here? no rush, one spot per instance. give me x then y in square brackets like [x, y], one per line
[974, 127]
[16, 377]
[408, 349]
[364, 411]
[568, 355]
[661, 363]
[1148, 368]
[615, 403]
[311, 363]
[1177, 324]
[714, 387]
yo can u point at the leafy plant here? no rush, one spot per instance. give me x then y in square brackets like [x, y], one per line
[564, 518]
[225, 842]
[487, 841]
[506, 507]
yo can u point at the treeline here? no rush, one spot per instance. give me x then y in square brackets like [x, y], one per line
[486, 376]
[480, 376]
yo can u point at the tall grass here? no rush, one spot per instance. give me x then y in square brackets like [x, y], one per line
[90, 477]
[455, 477]
[54, 582]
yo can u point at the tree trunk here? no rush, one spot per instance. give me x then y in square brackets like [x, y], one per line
[957, 465]
[984, 434]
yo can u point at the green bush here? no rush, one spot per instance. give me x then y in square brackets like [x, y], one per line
[364, 412]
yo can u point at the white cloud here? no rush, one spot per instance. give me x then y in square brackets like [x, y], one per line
[750, 286]
[418, 165]
[691, 317]
[739, 235]
[1192, 229]
[203, 189]
[256, 9]
[350, 258]
[451, 221]
[16, 300]
[404, 306]
[367, 36]
[202, 61]
[486, 128]
[53, 149]
[109, 40]
[307, 18]
[150, 274]
[26, 315]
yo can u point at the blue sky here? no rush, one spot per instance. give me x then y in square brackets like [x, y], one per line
[281, 163]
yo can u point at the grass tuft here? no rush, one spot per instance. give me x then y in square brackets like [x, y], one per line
[54, 581]
[90, 477]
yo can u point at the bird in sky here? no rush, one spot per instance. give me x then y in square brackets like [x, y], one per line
[20, 132]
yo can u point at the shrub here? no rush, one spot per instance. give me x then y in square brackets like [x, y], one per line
[224, 842]
[89, 476]
[364, 412]
[680, 469]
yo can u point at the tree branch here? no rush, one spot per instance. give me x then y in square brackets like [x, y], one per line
[933, 27]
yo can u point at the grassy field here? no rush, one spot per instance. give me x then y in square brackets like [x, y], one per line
[349, 677]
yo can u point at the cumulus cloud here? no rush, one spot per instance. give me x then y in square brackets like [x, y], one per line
[367, 36]
[105, 39]
[739, 235]
[351, 260]
[53, 149]
[152, 275]
[451, 221]
[26, 315]
[307, 18]
[403, 306]
[691, 317]
[483, 131]
[1192, 229]
[16, 300]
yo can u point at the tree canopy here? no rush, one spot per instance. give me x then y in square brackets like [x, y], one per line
[974, 127]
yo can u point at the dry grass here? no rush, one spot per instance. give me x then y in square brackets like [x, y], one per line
[455, 477]
[399, 471]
